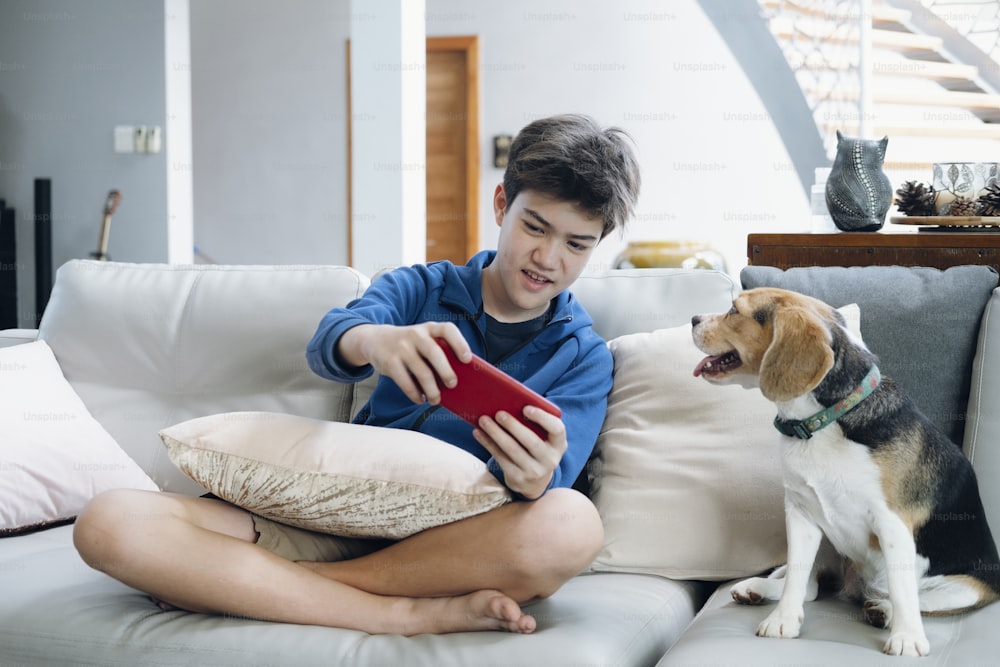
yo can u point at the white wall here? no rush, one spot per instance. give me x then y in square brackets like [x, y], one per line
[69, 73]
[269, 83]
[713, 166]
[270, 131]
[269, 164]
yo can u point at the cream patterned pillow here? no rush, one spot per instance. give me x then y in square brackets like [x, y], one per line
[333, 477]
[687, 476]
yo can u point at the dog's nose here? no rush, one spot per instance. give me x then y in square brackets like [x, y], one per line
[696, 320]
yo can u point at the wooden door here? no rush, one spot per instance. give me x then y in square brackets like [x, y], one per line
[452, 148]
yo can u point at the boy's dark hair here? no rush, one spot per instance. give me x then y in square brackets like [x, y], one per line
[572, 158]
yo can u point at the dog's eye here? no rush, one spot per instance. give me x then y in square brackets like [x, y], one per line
[760, 316]
[732, 311]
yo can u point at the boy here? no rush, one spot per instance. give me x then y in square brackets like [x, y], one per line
[567, 185]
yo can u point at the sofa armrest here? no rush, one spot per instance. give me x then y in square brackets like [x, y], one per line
[983, 426]
[9, 337]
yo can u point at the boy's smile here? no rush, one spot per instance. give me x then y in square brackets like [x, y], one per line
[544, 245]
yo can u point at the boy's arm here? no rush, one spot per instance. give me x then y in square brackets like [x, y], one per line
[394, 298]
[410, 355]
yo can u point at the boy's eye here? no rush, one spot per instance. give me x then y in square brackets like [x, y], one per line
[532, 227]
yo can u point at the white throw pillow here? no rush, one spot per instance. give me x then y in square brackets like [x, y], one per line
[333, 477]
[687, 477]
[54, 456]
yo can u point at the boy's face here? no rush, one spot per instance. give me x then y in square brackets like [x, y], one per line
[544, 246]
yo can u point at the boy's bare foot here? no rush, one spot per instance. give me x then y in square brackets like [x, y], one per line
[480, 610]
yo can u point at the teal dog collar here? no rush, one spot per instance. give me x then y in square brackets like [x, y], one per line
[804, 428]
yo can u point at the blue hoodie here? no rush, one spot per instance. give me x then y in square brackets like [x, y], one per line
[566, 362]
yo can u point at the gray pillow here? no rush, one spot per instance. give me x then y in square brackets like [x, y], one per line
[923, 324]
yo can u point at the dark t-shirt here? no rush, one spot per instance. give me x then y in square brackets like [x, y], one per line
[502, 338]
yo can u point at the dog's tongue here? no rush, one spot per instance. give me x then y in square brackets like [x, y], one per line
[700, 368]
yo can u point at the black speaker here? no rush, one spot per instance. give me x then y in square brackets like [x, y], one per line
[8, 269]
[43, 245]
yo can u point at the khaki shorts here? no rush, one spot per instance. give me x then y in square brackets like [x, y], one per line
[298, 544]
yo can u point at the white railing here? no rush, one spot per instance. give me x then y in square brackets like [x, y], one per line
[976, 20]
[821, 40]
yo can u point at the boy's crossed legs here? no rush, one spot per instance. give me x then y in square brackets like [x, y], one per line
[200, 554]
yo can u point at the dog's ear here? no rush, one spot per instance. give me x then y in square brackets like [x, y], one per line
[799, 356]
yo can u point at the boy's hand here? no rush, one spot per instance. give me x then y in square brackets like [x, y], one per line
[410, 355]
[527, 460]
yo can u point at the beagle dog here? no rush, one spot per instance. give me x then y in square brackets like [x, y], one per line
[862, 467]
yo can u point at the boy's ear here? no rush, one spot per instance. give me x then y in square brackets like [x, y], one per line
[499, 203]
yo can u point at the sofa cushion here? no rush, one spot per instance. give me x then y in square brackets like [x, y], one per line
[923, 324]
[54, 456]
[333, 477]
[833, 634]
[57, 611]
[688, 476]
[149, 345]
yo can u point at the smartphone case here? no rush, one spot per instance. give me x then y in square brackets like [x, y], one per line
[484, 389]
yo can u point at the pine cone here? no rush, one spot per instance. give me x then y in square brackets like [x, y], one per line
[989, 201]
[913, 198]
[963, 206]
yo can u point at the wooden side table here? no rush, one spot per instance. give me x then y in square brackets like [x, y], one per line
[937, 249]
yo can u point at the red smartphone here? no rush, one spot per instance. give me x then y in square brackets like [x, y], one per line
[484, 389]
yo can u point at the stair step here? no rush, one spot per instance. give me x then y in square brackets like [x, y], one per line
[984, 131]
[931, 70]
[880, 13]
[942, 98]
[786, 28]
[925, 69]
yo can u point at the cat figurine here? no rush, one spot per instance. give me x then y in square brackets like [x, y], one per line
[858, 193]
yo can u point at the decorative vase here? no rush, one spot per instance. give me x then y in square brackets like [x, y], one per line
[967, 180]
[669, 254]
[858, 193]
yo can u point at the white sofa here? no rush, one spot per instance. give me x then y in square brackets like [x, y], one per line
[148, 346]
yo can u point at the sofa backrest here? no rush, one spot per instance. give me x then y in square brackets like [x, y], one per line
[625, 301]
[150, 345]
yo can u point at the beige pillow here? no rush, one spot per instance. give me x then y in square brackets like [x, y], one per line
[333, 477]
[687, 477]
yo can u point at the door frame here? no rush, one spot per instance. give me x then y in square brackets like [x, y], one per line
[469, 44]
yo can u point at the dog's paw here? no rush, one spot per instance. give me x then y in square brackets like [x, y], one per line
[878, 613]
[780, 625]
[744, 593]
[907, 643]
[756, 590]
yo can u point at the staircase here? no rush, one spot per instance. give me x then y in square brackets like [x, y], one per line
[931, 70]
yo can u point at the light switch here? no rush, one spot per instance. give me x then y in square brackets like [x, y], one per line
[154, 139]
[125, 139]
[140, 138]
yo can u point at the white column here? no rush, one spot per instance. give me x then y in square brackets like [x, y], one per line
[177, 134]
[388, 150]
